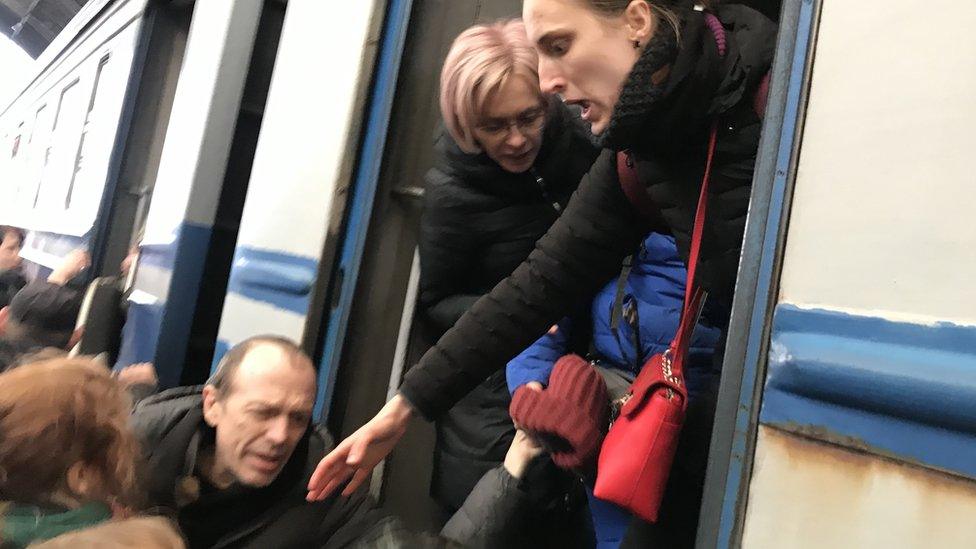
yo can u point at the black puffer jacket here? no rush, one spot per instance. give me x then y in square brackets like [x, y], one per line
[583, 249]
[480, 222]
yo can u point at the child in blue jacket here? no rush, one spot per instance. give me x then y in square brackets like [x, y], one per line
[634, 318]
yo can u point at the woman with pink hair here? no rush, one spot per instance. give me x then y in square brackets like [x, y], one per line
[506, 165]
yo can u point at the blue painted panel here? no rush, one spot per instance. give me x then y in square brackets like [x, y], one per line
[174, 330]
[139, 334]
[280, 279]
[220, 349]
[162, 330]
[903, 390]
[159, 255]
[363, 191]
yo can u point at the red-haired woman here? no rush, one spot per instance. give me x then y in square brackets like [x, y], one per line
[67, 457]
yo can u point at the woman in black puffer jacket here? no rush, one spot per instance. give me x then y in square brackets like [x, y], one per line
[650, 79]
[504, 171]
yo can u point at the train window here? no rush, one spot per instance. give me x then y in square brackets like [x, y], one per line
[11, 162]
[15, 142]
[63, 148]
[38, 149]
[78, 172]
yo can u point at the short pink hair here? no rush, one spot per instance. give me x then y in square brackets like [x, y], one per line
[481, 60]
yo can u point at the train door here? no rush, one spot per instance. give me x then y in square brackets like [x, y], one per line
[202, 175]
[846, 417]
[371, 331]
[303, 163]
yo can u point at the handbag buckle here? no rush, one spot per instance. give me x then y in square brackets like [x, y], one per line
[666, 361]
[617, 405]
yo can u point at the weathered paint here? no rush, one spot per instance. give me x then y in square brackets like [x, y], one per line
[907, 390]
[871, 370]
[882, 218]
[810, 494]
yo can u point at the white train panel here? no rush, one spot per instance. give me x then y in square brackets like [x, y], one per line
[305, 154]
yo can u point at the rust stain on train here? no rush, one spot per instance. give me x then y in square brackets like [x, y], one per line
[857, 460]
[813, 488]
[821, 434]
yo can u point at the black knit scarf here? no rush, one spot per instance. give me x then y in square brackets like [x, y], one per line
[639, 95]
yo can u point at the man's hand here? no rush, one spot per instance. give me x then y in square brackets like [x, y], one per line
[73, 263]
[522, 451]
[143, 373]
[355, 457]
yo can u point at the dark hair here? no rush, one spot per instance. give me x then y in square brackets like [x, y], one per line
[7, 229]
[58, 413]
[223, 378]
[616, 7]
[665, 9]
[35, 336]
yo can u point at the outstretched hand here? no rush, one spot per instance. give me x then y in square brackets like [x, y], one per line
[355, 457]
[70, 267]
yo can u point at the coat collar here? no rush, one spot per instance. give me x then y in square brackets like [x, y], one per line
[701, 84]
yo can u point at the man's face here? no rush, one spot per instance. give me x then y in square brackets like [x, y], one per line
[259, 417]
[9, 250]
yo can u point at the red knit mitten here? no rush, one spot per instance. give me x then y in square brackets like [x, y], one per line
[569, 415]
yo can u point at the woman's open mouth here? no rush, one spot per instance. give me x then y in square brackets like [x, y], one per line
[585, 106]
[522, 156]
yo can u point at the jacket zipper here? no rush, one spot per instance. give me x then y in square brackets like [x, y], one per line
[545, 193]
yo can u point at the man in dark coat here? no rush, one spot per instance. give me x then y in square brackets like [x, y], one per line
[231, 460]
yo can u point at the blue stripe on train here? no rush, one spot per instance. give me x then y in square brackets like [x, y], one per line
[161, 330]
[220, 349]
[277, 278]
[893, 388]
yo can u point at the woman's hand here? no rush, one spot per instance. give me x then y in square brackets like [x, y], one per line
[356, 456]
[523, 450]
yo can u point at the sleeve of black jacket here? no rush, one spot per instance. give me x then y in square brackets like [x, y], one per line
[580, 253]
[493, 515]
[446, 247]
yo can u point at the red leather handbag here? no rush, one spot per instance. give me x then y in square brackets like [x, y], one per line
[636, 456]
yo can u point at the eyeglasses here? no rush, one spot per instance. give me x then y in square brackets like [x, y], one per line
[528, 121]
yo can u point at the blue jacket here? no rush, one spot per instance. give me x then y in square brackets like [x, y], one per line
[656, 287]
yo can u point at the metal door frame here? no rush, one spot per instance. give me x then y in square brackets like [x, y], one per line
[744, 366]
[362, 193]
